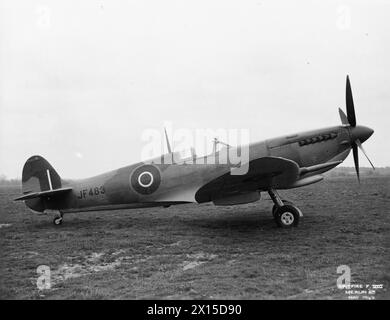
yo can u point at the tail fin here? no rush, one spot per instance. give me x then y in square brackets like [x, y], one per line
[40, 184]
[38, 175]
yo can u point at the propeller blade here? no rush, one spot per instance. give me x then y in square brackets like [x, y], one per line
[359, 144]
[356, 159]
[343, 117]
[350, 106]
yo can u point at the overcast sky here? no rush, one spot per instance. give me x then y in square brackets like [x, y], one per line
[80, 81]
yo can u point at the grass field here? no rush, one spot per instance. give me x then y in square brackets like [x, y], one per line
[203, 251]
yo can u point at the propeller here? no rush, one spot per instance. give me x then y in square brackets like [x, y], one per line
[357, 133]
[364, 152]
[349, 103]
[355, 152]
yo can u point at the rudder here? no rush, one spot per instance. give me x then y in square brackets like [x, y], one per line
[38, 175]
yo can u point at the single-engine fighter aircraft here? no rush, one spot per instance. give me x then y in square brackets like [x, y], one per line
[286, 162]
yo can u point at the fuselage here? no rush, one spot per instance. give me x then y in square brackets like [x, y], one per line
[179, 182]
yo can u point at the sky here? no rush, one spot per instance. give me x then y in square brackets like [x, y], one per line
[81, 81]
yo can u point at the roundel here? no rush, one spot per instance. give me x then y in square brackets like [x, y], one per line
[145, 179]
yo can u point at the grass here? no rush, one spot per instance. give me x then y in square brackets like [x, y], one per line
[202, 251]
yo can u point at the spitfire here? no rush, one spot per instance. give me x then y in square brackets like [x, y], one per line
[280, 163]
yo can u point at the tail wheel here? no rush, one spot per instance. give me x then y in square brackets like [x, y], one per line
[287, 216]
[57, 221]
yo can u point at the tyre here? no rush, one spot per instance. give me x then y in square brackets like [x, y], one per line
[284, 202]
[287, 216]
[57, 221]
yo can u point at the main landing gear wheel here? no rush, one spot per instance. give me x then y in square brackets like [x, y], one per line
[287, 216]
[275, 206]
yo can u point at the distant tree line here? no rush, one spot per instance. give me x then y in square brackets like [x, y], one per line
[350, 171]
[9, 182]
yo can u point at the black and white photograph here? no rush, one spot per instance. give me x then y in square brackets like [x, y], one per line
[212, 151]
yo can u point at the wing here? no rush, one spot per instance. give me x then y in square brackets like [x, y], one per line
[263, 174]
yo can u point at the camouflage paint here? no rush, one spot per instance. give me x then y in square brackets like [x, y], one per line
[274, 163]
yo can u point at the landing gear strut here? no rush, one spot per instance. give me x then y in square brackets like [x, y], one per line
[286, 214]
[58, 219]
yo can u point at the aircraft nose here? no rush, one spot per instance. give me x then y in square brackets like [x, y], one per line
[361, 132]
